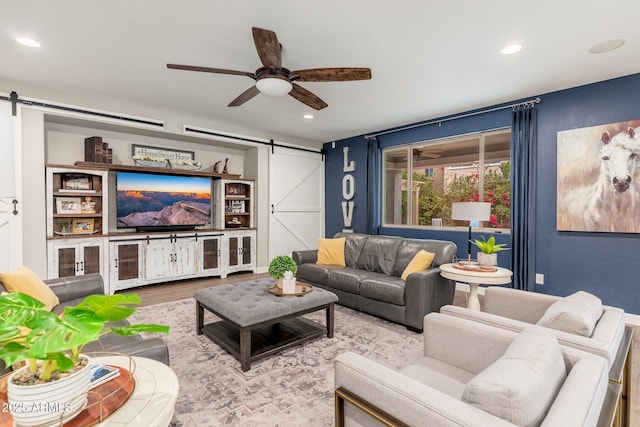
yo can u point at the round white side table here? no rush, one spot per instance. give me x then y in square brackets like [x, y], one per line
[474, 279]
[153, 400]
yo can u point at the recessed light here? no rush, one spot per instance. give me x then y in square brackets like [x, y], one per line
[512, 48]
[607, 46]
[28, 42]
[308, 116]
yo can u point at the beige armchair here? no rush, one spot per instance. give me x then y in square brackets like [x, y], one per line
[515, 310]
[475, 375]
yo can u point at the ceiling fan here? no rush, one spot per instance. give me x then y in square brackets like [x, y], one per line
[426, 153]
[273, 79]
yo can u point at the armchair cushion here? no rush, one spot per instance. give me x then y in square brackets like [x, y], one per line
[520, 386]
[577, 314]
[331, 252]
[420, 262]
[26, 281]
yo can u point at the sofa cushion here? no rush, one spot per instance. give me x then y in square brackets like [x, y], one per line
[26, 281]
[521, 385]
[420, 262]
[315, 273]
[353, 247]
[444, 251]
[347, 279]
[379, 254]
[383, 288]
[331, 252]
[577, 314]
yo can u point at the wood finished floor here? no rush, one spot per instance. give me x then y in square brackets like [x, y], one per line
[173, 291]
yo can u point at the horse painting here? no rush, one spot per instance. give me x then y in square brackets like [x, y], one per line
[599, 179]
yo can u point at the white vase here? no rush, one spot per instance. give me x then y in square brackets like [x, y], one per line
[487, 259]
[44, 404]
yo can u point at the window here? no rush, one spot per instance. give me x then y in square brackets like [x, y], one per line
[422, 180]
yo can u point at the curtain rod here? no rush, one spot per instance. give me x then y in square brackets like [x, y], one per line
[529, 103]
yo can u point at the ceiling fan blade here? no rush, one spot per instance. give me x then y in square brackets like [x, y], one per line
[332, 74]
[244, 96]
[268, 47]
[306, 97]
[210, 70]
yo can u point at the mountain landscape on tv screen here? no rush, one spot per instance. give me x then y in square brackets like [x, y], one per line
[157, 208]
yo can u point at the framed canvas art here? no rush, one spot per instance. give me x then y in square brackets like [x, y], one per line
[598, 188]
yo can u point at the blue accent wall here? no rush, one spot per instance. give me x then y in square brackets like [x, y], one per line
[606, 264]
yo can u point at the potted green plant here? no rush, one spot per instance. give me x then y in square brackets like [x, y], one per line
[52, 345]
[280, 265]
[489, 249]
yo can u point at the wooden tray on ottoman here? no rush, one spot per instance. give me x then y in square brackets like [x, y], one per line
[301, 289]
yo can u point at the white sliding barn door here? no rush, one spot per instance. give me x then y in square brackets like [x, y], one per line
[10, 223]
[296, 200]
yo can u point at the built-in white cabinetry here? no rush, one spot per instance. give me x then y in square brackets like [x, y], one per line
[240, 249]
[125, 264]
[234, 203]
[76, 257]
[80, 241]
[174, 256]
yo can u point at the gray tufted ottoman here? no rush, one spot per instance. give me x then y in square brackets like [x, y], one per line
[257, 324]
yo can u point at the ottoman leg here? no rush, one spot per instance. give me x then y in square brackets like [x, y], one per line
[199, 318]
[245, 349]
[330, 321]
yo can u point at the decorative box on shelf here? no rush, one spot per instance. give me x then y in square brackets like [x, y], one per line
[190, 165]
[151, 163]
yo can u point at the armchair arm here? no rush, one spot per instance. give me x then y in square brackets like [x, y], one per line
[425, 292]
[69, 288]
[304, 257]
[402, 397]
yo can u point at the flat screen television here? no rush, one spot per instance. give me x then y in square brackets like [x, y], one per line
[157, 202]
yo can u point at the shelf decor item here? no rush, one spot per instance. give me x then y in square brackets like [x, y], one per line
[52, 347]
[82, 225]
[190, 165]
[68, 205]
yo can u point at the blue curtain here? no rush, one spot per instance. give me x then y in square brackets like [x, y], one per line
[523, 197]
[373, 187]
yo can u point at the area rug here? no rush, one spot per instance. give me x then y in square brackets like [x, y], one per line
[291, 388]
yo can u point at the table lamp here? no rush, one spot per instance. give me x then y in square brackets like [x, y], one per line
[470, 211]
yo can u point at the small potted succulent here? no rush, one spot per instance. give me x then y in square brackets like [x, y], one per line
[489, 249]
[52, 346]
[280, 266]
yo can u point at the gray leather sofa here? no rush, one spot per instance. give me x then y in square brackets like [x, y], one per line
[72, 290]
[371, 281]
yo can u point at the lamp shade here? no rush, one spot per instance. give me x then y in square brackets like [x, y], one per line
[471, 211]
[274, 86]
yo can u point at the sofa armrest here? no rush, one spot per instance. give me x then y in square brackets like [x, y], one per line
[402, 397]
[516, 304]
[304, 257]
[425, 292]
[70, 288]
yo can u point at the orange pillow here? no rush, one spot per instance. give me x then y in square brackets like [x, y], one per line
[331, 252]
[26, 281]
[420, 262]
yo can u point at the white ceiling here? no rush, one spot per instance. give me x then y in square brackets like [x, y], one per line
[428, 59]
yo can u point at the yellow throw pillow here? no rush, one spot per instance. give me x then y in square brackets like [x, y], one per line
[26, 281]
[331, 251]
[420, 262]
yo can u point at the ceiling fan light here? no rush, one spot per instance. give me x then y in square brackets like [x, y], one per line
[274, 86]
